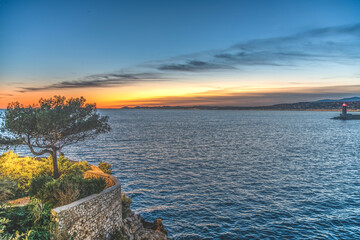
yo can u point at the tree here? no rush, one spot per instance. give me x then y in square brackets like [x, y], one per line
[53, 124]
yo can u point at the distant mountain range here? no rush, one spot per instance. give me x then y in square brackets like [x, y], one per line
[324, 104]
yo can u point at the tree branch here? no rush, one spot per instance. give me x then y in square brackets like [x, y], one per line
[32, 149]
[39, 153]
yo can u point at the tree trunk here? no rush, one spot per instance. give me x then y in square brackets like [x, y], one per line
[55, 165]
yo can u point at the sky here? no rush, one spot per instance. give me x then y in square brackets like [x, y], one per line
[179, 53]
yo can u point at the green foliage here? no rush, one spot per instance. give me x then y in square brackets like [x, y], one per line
[3, 223]
[105, 167]
[68, 188]
[92, 186]
[38, 183]
[8, 188]
[49, 193]
[86, 186]
[24, 169]
[33, 221]
[126, 202]
[67, 167]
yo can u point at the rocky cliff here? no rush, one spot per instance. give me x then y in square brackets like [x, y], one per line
[134, 227]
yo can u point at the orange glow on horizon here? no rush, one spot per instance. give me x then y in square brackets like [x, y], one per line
[216, 93]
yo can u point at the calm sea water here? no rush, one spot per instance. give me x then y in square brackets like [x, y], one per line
[236, 174]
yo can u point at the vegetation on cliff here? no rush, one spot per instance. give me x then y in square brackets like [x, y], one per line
[23, 170]
[30, 222]
[53, 124]
[65, 190]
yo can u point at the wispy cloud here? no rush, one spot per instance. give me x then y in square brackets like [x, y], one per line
[194, 66]
[99, 81]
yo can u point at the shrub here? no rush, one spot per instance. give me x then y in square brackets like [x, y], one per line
[24, 169]
[38, 183]
[105, 167]
[3, 223]
[33, 221]
[68, 167]
[126, 202]
[49, 193]
[93, 185]
[67, 189]
[8, 188]
[87, 186]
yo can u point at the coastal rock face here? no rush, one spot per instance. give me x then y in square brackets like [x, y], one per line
[134, 227]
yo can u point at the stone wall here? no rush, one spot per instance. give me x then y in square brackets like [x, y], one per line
[97, 216]
[93, 217]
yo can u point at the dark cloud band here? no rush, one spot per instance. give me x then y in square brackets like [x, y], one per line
[98, 81]
[194, 66]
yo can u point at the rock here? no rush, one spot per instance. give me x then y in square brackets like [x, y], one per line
[159, 226]
[134, 227]
[133, 224]
[149, 234]
[156, 225]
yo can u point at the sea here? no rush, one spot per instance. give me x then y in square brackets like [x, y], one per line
[213, 174]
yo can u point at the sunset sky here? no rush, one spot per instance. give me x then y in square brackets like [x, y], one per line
[155, 53]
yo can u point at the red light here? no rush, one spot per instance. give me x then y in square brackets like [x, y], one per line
[344, 105]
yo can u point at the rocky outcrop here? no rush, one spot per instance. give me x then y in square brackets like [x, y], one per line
[134, 227]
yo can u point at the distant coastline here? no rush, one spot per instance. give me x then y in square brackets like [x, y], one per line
[321, 105]
[353, 104]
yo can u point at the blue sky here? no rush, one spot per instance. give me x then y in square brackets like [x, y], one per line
[51, 47]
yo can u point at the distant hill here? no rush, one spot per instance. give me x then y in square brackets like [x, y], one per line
[318, 105]
[325, 104]
[352, 99]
